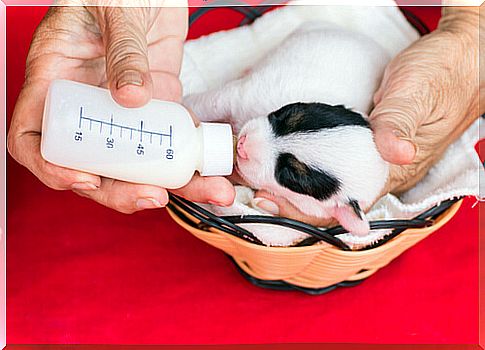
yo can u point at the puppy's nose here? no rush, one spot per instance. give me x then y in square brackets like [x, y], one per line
[241, 152]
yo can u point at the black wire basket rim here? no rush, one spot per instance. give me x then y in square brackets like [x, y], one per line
[315, 246]
[263, 247]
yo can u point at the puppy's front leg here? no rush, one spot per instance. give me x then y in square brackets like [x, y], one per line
[213, 105]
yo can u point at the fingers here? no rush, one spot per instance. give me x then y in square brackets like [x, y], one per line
[213, 190]
[23, 142]
[126, 197]
[282, 207]
[124, 33]
[394, 122]
[393, 147]
[166, 86]
[24, 145]
[26, 150]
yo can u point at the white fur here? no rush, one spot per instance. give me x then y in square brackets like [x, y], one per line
[316, 63]
[223, 56]
[214, 60]
[347, 153]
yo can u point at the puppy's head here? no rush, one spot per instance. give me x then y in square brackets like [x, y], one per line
[315, 155]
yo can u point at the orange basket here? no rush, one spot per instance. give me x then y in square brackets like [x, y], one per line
[322, 262]
[317, 264]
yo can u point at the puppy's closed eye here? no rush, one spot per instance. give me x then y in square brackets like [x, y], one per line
[301, 178]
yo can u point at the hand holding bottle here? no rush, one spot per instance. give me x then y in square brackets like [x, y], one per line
[136, 53]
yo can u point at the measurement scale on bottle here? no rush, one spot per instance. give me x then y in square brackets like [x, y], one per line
[114, 130]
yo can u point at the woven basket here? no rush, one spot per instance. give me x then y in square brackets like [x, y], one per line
[314, 268]
[320, 263]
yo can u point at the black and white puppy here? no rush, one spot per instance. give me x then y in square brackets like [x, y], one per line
[300, 115]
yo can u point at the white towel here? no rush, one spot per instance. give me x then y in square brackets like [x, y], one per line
[212, 60]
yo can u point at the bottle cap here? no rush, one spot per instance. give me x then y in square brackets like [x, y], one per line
[217, 149]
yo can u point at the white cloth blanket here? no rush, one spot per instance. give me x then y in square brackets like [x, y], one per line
[212, 60]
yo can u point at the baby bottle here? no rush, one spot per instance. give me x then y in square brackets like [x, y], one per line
[85, 129]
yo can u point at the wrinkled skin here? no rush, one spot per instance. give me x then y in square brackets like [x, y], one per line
[427, 99]
[109, 47]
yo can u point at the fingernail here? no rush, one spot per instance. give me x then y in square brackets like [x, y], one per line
[267, 205]
[409, 141]
[415, 146]
[147, 203]
[401, 136]
[85, 186]
[129, 77]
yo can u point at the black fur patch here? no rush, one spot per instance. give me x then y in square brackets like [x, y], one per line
[300, 178]
[308, 117]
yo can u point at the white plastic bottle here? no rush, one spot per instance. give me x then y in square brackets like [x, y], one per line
[85, 129]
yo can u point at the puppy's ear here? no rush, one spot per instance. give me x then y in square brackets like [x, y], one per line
[300, 178]
[352, 218]
[311, 117]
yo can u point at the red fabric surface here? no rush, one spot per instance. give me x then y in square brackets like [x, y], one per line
[81, 273]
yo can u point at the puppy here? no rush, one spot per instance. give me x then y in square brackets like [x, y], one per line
[300, 116]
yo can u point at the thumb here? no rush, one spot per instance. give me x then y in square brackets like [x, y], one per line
[394, 122]
[124, 33]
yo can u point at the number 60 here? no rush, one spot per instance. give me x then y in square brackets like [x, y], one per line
[169, 154]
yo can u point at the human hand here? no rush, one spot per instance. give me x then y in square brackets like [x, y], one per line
[136, 53]
[427, 99]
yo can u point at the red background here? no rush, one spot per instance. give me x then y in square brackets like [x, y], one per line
[81, 273]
